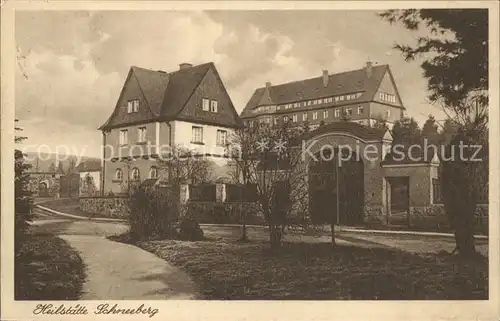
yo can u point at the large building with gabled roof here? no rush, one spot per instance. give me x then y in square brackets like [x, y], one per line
[362, 96]
[188, 108]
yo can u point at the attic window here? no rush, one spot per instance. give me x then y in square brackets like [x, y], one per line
[133, 106]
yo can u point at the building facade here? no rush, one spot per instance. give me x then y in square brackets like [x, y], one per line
[360, 96]
[157, 112]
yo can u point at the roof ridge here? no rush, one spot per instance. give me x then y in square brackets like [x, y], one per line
[170, 72]
[330, 75]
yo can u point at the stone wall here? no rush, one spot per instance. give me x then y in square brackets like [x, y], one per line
[223, 213]
[433, 218]
[112, 207]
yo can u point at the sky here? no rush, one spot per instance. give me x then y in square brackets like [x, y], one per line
[72, 64]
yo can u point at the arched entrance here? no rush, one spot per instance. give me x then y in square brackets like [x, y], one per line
[336, 188]
[43, 189]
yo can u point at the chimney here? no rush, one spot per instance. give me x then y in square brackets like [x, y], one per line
[368, 68]
[268, 84]
[185, 65]
[325, 78]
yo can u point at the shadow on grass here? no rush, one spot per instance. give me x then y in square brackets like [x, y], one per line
[315, 271]
[48, 269]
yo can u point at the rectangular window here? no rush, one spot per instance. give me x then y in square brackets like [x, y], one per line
[133, 106]
[213, 106]
[123, 137]
[221, 137]
[337, 113]
[341, 98]
[205, 104]
[437, 197]
[315, 115]
[309, 103]
[388, 113]
[276, 120]
[337, 99]
[330, 99]
[360, 110]
[304, 116]
[285, 118]
[381, 96]
[325, 100]
[294, 118]
[197, 135]
[347, 97]
[348, 111]
[141, 134]
[325, 114]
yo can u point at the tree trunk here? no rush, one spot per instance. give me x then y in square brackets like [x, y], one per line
[332, 227]
[244, 236]
[275, 236]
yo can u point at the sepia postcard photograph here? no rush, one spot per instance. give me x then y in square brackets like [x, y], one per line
[250, 160]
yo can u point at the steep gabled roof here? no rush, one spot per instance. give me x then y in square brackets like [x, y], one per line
[152, 84]
[181, 86]
[166, 94]
[338, 84]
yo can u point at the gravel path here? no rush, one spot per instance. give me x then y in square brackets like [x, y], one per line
[117, 271]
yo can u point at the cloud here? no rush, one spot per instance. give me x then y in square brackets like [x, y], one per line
[74, 77]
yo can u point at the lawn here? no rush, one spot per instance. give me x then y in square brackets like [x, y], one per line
[224, 270]
[48, 269]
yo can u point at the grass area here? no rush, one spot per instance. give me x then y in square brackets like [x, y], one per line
[313, 271]
[48, 269]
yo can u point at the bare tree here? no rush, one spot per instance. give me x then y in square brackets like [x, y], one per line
[183, 165]
[264, 155]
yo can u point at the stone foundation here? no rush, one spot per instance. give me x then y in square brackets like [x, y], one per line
[112, 207]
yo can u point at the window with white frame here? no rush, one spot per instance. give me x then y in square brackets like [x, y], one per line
[325, 113]
[141, 134]
[205, 104]
[213, 106]
[304, 116]
[315, 115]
[136, 174]
[197, 135]
[153, 172]
[276, 120]
[123, 137]
[119, 175]
[133, 106]
[285, 118]
[330, 99]
[360, 110]
[294, 118]
[348, 111]
[341, 98]
[337, 99]
[337, 113]
[221, 137]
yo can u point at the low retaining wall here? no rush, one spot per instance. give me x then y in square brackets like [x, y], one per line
[223, 213]
[112, 206]
[425, 218]
[434, 218]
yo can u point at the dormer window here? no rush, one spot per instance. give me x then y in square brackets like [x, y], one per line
[133, 106]
[205, 104]
[213, 106]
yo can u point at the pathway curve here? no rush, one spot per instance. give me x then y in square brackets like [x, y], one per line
[118, 271]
